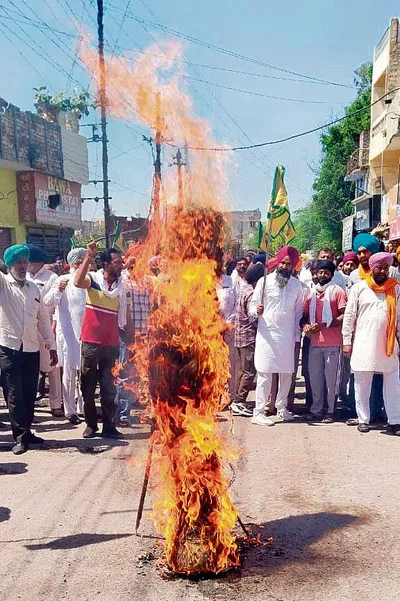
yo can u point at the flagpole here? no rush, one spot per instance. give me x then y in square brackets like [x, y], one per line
[268, 248]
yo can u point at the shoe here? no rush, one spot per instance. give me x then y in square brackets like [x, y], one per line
[240, 409]
[33, 439]
[312, 417]
[261, 420]
[111, 432]
[353, 421]
[20, 448]
[285, 416]
[74, 419]
[363, 428]
[393, 429]
[328, 419]
[89, 432]
[124, 422]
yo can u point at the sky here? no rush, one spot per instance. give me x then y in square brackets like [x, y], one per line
[324, 40]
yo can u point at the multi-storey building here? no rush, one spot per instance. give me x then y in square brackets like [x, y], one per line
[42, 168]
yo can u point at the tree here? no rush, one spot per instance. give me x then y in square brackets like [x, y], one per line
[320, 222]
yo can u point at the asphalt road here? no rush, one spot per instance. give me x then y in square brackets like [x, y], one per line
[325, 499]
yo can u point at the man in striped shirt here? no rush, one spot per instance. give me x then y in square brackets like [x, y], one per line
[105, 305]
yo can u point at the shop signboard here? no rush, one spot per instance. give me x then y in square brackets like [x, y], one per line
[347, 233]
[66, 196]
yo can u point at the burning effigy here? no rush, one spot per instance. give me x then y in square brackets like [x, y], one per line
[182, 364]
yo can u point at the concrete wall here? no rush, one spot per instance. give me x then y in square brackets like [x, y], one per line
[9, 217]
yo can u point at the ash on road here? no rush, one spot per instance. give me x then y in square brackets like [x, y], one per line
[327, 495]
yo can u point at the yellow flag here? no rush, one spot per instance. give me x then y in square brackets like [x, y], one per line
[279, 224]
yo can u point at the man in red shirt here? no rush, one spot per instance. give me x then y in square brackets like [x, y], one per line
[323, 312]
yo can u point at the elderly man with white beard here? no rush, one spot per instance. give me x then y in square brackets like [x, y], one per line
[69, 302]
[279, 308]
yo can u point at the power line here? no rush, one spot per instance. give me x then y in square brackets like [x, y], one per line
[253, 93]
[226, 51]
[292, 137]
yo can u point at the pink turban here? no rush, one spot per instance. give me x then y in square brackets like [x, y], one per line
[381, 258]
[351, 256]
[286, 251]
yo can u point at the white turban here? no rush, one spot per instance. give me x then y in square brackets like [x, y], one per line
[75, 254]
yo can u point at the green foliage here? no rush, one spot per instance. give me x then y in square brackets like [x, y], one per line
[45, 103]
[320, 222]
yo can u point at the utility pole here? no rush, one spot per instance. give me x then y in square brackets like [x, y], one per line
[103, 111]
[157, 161]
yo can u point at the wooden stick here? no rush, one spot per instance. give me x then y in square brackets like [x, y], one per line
[145, 483]
[243, 527]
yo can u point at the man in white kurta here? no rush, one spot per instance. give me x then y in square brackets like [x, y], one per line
[279, 309]
[44, 279]
[69, 303]
[365, 337]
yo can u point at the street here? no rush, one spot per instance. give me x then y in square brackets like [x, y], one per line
[327, 495]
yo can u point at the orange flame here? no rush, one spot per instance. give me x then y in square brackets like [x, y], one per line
[183, 363]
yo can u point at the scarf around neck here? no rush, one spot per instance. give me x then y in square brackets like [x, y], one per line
[362, 273]
[388, 288]
[327, 316]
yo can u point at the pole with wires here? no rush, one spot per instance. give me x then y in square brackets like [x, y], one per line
[103, 112]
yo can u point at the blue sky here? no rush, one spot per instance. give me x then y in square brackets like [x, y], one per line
[322, 40]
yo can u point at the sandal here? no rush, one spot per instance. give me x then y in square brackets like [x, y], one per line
[328, 419]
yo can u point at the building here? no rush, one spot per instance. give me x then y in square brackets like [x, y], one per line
[384, 151]
[242, 225]
[42, 169]
[374, 167]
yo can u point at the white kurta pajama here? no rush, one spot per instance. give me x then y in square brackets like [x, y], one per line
[278, 331]
[70, 306]
[364, 326]
[44, 279]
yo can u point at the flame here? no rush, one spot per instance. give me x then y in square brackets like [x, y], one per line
[183, 363]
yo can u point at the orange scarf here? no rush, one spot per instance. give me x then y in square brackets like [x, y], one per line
[388, 288]
[362, 273]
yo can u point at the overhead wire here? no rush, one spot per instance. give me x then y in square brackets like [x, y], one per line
[222, 50]
[293, 136]
[253, 93]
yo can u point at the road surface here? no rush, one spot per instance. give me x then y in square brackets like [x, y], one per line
[327, 495]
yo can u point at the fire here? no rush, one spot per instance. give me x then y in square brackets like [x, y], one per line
[183, 364]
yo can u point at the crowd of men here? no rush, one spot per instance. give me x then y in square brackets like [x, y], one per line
[73, 322]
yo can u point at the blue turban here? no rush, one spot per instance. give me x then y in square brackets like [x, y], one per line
[36, 255]
[12, 254]
[367, 241]
[260, 258]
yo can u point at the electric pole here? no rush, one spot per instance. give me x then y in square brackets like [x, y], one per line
[157, 161]
[103, 111]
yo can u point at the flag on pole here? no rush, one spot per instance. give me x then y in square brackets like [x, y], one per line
[73, 243]
[118, 240]
[279, 224]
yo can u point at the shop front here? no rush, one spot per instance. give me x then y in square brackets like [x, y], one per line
[368, 212]
[51, 209]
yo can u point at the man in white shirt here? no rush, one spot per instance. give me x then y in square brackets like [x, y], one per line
[44, 279]
[69, 302]
[22, 316]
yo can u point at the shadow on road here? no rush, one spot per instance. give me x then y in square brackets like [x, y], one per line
[74, 541]
[5, 514]
[13, 468]
[289, 540]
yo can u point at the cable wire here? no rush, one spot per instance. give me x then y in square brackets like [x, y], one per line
[292, 137]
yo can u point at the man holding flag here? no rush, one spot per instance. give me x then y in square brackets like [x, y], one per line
[278, 303]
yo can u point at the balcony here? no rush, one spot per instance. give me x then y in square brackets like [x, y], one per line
[357, 163]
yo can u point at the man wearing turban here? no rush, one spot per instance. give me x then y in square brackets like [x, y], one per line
[22, 318]
[365, 245]
[371, 330]
[278, 304]
[44, 279]
[70, 304]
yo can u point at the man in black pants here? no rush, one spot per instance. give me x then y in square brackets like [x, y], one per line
[105, 311]
[22, 316]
